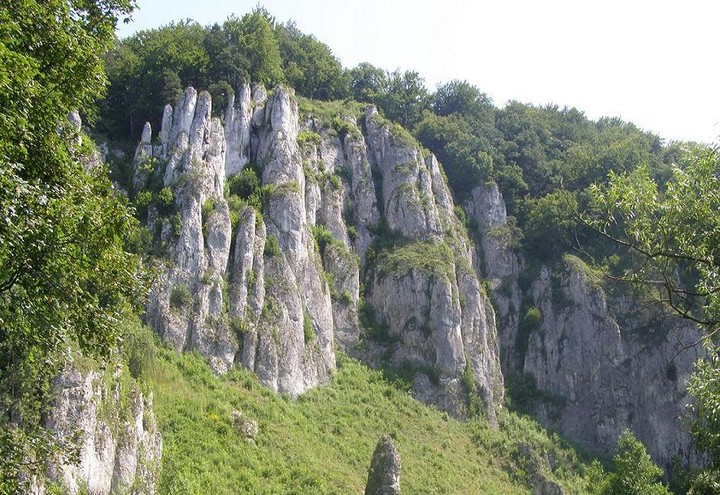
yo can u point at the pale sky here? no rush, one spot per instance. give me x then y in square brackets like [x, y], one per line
[653, 63]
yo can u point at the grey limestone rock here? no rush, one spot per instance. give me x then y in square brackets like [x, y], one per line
[120, 449]
[501, 265]
[600, 364]
[426, 290]
[278, 304]
[615, 364]
[186, 305]
[238, 117]
[384, 473]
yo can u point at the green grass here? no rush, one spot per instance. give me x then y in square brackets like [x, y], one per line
[323, 442]
[430, 257]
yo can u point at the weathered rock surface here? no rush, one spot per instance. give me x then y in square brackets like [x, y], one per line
[251, 306]
[501, 265]
[119, 443]
[277, 292]
[356, 246]
[597, 364]
[384, 473]
[607, 365]
[425, 288]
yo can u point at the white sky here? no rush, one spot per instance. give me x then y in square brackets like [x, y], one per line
[653, 63]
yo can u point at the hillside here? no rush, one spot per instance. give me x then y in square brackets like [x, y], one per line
[323, 442]
[327, 256]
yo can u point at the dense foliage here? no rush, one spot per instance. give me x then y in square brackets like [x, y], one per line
[151, 68]
[634, 474]
[64, 275]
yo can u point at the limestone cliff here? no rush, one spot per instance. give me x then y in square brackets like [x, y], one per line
[112, 424]
[352, 229]
[588, 363]
[614, 363]
[350, 241]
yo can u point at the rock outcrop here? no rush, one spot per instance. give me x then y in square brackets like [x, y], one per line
[587, 364]
[608, 364]
[349, 240]
[277, 285]
[424, 286]
[114, 428]
[384, 473]
[501, 265]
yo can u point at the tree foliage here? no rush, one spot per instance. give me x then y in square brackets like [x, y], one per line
[673, 228]
[309, 65]
[248, 49]
[704, 385]
[467, 158]
[64, 274]
[635, 473]
[367, 82]
[405, 98]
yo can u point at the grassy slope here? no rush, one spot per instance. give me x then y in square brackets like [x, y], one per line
[323, 442]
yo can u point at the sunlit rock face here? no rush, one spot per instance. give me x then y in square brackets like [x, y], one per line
[114, 428]
[352, 243]
[278, 287]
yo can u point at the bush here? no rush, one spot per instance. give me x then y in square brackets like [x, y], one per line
[166, 198]
[352, 232]
[180, 296]
[139, 241]
[552, 224]
[244, 185]
[308, 329]
[272, 246]
[472, 399]
[532, 318]
[138, 347]
[341, 126]
[142, 201]
[636, 473]
[207, 208]
[323, 237]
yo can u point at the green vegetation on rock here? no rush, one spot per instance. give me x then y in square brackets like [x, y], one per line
[428, 257]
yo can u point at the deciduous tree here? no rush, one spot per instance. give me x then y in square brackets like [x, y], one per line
[64, 274]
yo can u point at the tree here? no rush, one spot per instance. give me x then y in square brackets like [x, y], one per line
[551, 224]
[405, 99]
[309, 65]
[367, 82]
[674, 229]
[704, 385]
[253, 37]
[64, 274]
[466, 157]
[147, 69]
[463, 98]
[635, 473]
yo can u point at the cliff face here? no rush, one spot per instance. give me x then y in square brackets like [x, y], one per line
[113, 426]
[615, 363]
[352, 243]
[355, 224]
[589, 363]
